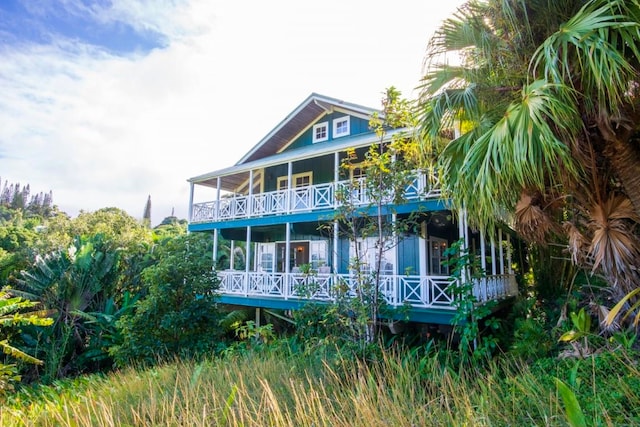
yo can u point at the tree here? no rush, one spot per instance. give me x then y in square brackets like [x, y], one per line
[146, 216]
[365, 212]
[544, 104]
[178, 316]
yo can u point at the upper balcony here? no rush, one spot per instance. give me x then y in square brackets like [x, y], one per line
[308, 198]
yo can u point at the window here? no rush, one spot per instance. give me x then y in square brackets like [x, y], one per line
[341, 127]
[357, 171]
[298, 180]
[320, 132]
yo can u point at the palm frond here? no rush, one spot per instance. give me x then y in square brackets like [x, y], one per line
[614, 247]
[599, 39]
[18, 354]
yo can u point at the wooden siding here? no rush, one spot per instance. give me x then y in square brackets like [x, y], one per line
[357, 126]
[408, 255]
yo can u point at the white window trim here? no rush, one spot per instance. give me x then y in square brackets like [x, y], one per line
[338, 121]
[285, 179]
[326, 133]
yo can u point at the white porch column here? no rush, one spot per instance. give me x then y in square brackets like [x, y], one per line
[250, 198]
[464, 235]
[493, 254]
[336, 178]
[501, 251]
[247, 255]
[423, 250]
[483, 252]
[190, 202]
[287, 248]
[218, 184]
[290, 198]
[215, 247]
[232, 255]
[396, 242]
[509, 269]
[335, 246]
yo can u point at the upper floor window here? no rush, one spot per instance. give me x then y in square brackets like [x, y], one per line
[341, 127]
[321, 132]
[303, 179]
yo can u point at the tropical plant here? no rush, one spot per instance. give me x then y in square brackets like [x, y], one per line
[179, 315]
[470, 315]
[71, 283]
[544, 98]
[12, 316]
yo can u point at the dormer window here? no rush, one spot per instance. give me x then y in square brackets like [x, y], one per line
[341, 127]
[321, 132]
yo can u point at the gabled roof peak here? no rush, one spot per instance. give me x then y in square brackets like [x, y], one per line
[314, 106]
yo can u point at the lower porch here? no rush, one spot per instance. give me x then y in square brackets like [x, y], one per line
[427, 299]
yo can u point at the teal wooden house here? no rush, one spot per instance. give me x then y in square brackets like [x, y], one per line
[280, 200]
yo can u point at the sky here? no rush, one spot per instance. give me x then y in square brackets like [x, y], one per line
[108, 102]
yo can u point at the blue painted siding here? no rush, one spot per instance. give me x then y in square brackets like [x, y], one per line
[408, 255]
[356, 126]
[343, 256]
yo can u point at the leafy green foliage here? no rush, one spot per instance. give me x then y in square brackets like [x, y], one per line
[365, 212]
[575, 416]
[178, 316]
[540, 110]
[470, 314]
[70, 283]
[16, 312]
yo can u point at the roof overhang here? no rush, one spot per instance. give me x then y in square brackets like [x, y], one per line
[234, 176]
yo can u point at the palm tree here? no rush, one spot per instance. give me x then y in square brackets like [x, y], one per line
[545, 100]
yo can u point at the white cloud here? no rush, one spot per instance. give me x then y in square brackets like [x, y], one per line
[100, 130]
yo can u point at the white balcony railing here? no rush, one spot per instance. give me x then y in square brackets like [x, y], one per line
[301, 199]
[397, 290]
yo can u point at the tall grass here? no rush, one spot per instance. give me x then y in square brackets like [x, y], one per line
[278, 388]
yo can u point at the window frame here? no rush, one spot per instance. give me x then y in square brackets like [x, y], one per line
[284, 179]
[318, 126]
[337, 122]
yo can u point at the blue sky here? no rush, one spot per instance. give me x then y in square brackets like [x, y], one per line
[106, 102]
[90, 22]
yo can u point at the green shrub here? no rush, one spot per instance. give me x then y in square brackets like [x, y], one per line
[179, 315]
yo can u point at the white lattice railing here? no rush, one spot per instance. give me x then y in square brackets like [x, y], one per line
[397, 290]
[301, 199]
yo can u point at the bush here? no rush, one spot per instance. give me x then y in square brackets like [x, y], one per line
[179, 315]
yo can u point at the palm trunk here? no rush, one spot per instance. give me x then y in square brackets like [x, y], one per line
[625, 162]
[624, 158]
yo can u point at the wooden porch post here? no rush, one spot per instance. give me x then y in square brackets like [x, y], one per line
[290, 199]
[232, 255]
[191, 185]
[336, 178]
[493, 254]
[287, 248]
[423, 250]
[218, 184]
[501, 251]
[247, 255]
[509, 269]
[250, 198]
[464, 235]
[215, 247]
[483, 252]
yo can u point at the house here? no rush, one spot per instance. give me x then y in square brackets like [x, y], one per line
[280, 199]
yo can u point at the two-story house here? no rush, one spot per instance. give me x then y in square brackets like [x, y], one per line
[280, 200]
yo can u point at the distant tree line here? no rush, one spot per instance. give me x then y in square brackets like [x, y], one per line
[19, 197]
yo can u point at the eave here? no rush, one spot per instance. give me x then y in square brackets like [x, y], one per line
[234, 176]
